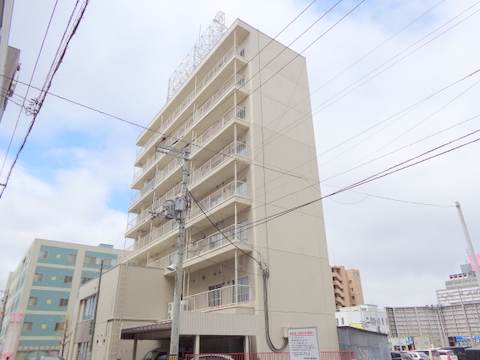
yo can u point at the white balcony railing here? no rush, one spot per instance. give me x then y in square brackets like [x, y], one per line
[223, 194]
[236, 112]
[235, 50]
[154, 235]
[224, 296]
[237, 80]
[235, 148]
[229, 190]
[230, 234]
[156, 206]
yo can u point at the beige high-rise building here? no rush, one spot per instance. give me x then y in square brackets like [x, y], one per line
[244, 114]
[347, 287]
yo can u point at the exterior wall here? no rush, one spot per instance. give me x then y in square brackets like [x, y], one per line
[9, 56]
[355, 291]
[224, 276]
[42, 292]
[366, 345]
[366, 317]
[129, 296]
[347, 287]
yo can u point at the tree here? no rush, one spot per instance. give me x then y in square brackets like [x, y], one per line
[65, 333]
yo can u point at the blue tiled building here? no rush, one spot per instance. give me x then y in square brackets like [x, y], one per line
[42, 292]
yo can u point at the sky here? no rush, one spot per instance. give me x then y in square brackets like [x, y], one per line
[389, 81]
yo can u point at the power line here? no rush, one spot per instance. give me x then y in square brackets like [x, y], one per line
[26, 94]
[44, 91]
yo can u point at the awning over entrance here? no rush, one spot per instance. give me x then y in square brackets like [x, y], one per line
[148, 332]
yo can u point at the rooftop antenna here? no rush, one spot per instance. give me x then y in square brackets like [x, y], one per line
[195, 56]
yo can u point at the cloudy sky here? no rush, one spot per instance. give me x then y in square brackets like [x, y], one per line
[389, 82]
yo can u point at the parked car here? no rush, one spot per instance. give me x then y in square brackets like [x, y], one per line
[156, 354]
[431, 353]
[418, 355]
[457, 350]
[406, 355]
[395, 355]
[447, 354]
[472, 354]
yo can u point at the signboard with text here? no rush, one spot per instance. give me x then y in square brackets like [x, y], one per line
[303, 344]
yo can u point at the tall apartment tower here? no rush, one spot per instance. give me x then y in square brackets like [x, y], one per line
[244, 114]
[347, 287]
[41, 295]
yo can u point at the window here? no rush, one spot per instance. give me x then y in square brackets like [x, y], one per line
[27, 326]
[64, 302]
[243, 290]
[89, 308]
[93, 260]
[32, 301]
[72, 258]
[67, 279]
[215, 295]
[38, 277]
[355, 273]
[43, 254]
[86, 279]
[109, 262]
[59, 326]
[351, 289]
[343, 321]
[353, 297]
[90, 260]
[350, 281]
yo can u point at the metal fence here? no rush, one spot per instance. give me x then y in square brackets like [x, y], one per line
[325, 355]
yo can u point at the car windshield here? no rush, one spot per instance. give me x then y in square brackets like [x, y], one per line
[423, 355]
[154, 355]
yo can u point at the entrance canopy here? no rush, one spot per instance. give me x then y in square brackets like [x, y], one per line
[148, 332]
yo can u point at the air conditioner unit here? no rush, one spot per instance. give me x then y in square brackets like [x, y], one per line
[183, 307]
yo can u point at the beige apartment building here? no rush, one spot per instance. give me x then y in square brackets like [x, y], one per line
[244, 114]
[347, 287]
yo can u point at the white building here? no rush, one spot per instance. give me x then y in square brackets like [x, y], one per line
[243, 111]
[9, 56]
[367, 317]
[460, 288]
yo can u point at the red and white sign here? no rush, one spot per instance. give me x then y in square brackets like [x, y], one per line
[303, 344]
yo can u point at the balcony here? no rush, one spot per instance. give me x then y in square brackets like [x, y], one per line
[137, 222]
[226, 296]
[170, 228]
[235, 151]
[217, 198]
[235, 114]
[235, 148]
[234, 51]
[220, 204]
[215, 248]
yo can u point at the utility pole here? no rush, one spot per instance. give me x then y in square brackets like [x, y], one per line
[176, 209]
[94, 320]
[471, 252]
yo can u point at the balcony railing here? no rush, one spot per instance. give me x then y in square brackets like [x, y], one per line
[154, 235]
[238, 80]
[218, 298]
[235, 50]
[236, 112]
[229, 190]
[230, 234]
[156, 205]
[235, 148]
